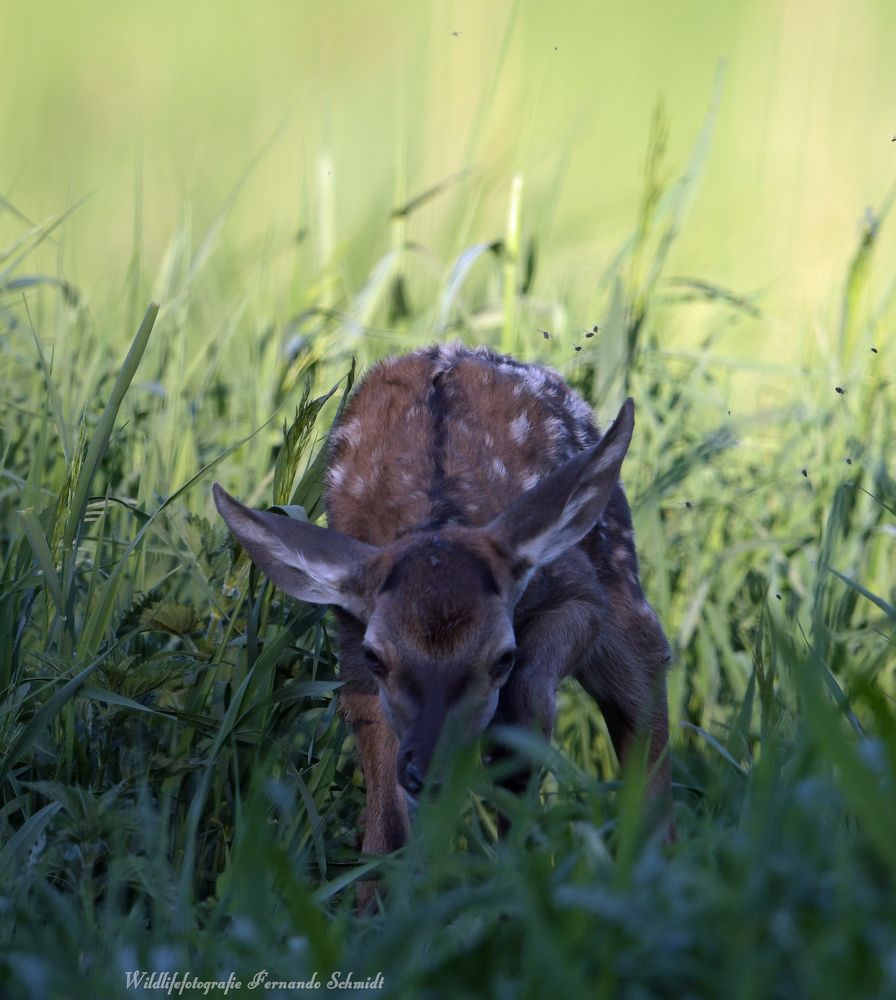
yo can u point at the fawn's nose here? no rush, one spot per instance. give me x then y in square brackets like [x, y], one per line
[411, 775]
[412, 778]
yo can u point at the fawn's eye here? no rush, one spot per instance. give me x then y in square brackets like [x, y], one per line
[374, 664]
[503, 665]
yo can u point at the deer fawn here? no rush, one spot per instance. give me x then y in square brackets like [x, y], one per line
[480, 549]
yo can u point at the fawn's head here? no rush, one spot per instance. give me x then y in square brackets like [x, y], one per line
[437, 606]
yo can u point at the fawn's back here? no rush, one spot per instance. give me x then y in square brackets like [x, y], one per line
[448, 434]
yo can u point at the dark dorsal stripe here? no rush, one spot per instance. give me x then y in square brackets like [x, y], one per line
[444, 507]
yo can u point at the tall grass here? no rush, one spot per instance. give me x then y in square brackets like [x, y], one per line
[177, 791]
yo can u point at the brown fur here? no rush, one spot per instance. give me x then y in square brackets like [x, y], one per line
[475, 510]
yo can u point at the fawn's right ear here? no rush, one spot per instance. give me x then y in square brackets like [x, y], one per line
[309, 562]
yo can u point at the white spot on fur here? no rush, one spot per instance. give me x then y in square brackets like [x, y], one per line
[529, 480]
[520, 428]
[447, 356]
[335, 475]
[620, 554]
[554, 428]
[535, 379]
[499, 468]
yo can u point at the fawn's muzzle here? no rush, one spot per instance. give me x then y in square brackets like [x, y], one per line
[410, 774]
[414, 759]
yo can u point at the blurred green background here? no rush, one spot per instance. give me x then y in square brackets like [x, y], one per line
[158, 109]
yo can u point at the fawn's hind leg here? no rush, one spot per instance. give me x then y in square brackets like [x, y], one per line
[626, 674]
[625, 670]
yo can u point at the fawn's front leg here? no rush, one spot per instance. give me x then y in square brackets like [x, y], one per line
[387, 822]
[556, 623]
[386, 819]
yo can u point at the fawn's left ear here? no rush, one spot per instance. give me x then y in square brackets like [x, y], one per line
[563, 507]
[309, 562]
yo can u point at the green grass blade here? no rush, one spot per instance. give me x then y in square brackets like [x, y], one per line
[99, 441]
[41, 549]
[23, 839]
[885, 606]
